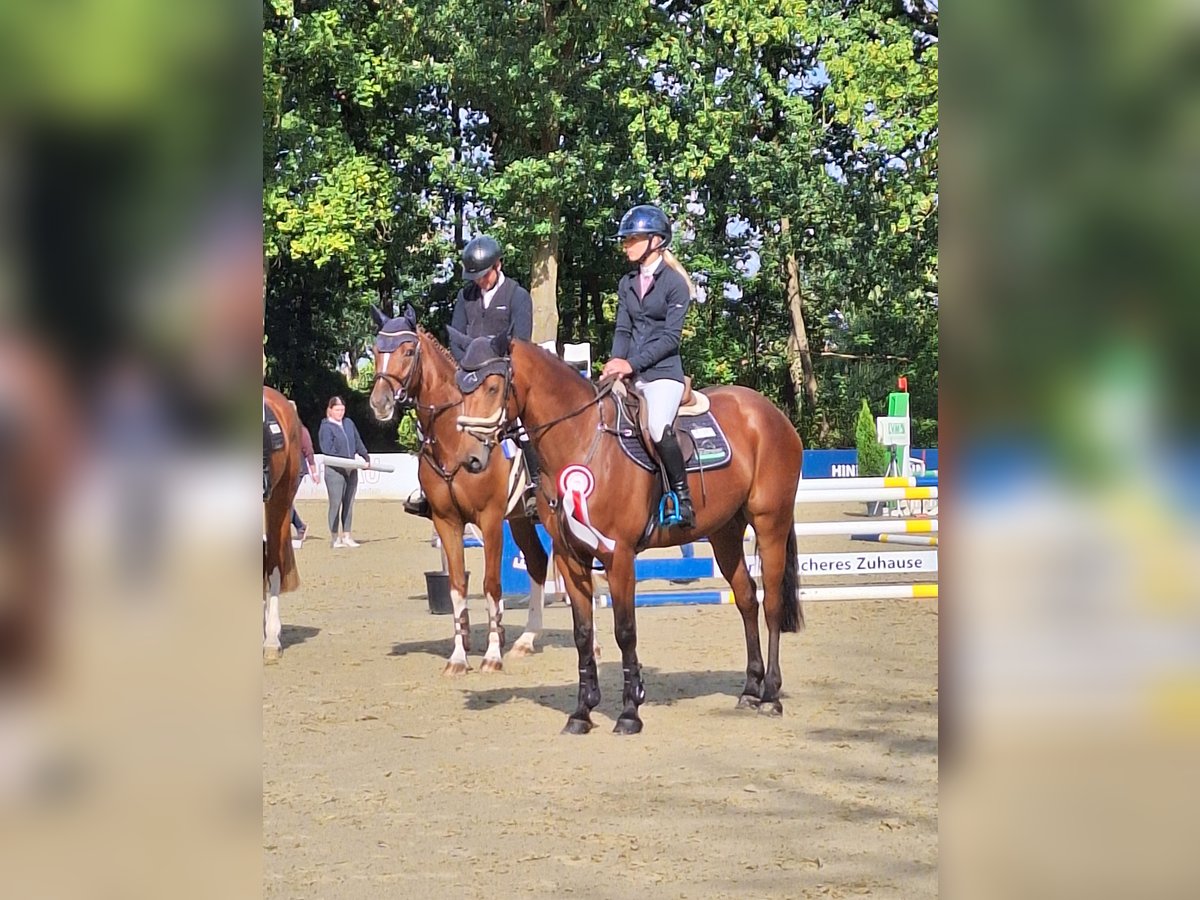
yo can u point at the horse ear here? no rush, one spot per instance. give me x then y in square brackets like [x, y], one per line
[501, 343]
[458, 342]
[411, 315]
[378, 315]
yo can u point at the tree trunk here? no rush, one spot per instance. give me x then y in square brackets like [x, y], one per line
[544, 287]
[800, 364]
[599, 325]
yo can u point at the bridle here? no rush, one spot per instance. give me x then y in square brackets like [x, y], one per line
[488, 429]
[401, 390]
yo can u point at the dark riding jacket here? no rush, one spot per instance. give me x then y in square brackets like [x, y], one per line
[511, 310]
[649, 329]
[336, 442]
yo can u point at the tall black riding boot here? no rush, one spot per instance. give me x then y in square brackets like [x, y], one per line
[672, 457]
[534, 466]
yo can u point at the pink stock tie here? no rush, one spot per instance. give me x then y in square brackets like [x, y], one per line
[646, 281]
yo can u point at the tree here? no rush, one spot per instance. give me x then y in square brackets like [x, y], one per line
[793, 143]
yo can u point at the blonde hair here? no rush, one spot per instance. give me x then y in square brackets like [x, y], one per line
[671, 260]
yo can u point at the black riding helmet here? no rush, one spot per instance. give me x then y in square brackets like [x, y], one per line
[479, 255]
[645, 219]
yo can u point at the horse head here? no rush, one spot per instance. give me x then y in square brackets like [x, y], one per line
[397, 353]
[485, 379]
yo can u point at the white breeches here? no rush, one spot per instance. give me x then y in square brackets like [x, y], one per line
[662, 401]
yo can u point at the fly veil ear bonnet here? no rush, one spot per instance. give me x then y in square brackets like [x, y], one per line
[394, 333]
[485, 356]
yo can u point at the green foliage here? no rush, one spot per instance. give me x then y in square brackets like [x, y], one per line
[872, 455]
[393, 130]
[407, 436]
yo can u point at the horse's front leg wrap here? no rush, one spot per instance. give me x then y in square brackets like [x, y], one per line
[634, 693]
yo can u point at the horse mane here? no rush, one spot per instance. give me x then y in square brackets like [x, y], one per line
[438, 344]
[568, 370]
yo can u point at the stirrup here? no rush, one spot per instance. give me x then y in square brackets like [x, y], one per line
[418, 507]
[668, 510]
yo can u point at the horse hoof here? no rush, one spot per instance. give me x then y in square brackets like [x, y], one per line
[748, 701]
[489, 666]
[770, 708]
[628, 725]
[455, 669]
[270, 655]
[522, 649]
[577, 726]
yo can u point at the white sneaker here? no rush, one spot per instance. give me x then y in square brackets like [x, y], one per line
[350, 542]
[337, 542]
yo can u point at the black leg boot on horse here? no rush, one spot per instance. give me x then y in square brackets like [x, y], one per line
[672, 458]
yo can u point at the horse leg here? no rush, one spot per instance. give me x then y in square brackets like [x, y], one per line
[621, 587]
[773, 545]
[492, 528]
[278, 528]
[525, 535]
[731, 559]
[577, 575]
[451, 534]
[272, 626]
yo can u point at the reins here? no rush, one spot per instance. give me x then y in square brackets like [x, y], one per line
[601, 390]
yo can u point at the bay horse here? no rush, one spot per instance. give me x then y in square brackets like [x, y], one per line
[280, 575]
[40, 449]
[414, 371]
[599, 502]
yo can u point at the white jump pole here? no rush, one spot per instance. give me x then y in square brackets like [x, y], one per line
[890, 481]
[834, 495]
[341, 462]
[914, 540]
[872, 592]
[874, 526]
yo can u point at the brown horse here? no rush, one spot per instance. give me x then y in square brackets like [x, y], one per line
[279, 559]
[600, 502]
[38, 446]
[414, 370]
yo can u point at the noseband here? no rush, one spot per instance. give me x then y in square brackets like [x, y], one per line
[487, 429]
[401, 390]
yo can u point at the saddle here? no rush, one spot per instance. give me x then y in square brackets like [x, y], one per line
[272, 428]
[701, 440]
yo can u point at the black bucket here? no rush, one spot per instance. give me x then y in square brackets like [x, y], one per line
[437, 586]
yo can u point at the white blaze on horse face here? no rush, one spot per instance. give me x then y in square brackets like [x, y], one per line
[459, 654]
[272, 626]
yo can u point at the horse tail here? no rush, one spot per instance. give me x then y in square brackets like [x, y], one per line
[793, 614]
[289, 571]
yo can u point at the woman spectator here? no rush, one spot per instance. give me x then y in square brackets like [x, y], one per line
[339, 437]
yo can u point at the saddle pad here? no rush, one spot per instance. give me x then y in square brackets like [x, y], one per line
[273, 427]
[711, 450]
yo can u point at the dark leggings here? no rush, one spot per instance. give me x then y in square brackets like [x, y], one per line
[340, 485]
